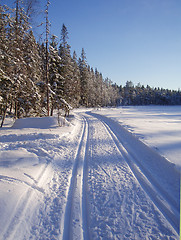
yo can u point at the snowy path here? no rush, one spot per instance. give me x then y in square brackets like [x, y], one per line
[153, 183]
[126, 200]
[75, 224]
[98, 182]
[112, 195]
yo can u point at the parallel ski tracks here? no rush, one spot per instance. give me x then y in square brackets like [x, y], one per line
[158, 195]
[76, 216]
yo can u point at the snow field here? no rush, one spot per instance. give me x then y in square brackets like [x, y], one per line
[90, 179]
[156, 126]
[123, 209]
[29, 178]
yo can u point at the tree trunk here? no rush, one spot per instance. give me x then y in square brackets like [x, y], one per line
[52, 108]
[46, 70]
[4, 115]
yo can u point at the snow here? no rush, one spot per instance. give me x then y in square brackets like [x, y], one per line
[40, 123]
[20, 158]
[104, 174]
[156, 126]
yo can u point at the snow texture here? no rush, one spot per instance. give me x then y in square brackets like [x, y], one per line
[106, 174]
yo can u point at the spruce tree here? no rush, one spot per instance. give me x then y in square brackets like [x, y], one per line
[84, 78]
[55, 78]
[75, 82]
[91, 88]
[33, 76]
[66, 66]
[46, 57]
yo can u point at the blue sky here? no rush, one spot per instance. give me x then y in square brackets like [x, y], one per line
[135, 40]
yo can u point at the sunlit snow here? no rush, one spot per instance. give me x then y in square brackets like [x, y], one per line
[90, 179]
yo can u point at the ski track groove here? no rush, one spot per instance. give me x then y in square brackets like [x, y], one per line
[76, 215]
[161, 199]
[22, 205]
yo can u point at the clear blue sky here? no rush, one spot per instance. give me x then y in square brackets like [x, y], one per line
[137, 40]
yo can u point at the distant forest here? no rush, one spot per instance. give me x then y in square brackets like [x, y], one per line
[37, 77]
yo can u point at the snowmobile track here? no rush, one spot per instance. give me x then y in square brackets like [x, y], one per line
[158, 195]
[76, 218]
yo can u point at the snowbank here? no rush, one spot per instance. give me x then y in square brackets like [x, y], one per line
[19, 158]
[28, 151]
[38, 122]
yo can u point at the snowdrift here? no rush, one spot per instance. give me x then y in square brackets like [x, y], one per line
[39, 122]
[18, 158]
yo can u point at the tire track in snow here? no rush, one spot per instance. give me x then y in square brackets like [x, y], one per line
[162, 201]
[76, 219]
[22, 205]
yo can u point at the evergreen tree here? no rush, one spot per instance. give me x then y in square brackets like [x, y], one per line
[33, 76]
[6, 82]
[42, 81]
[91, 94]
[98, 87]
[46, 57]
[66, 66]
[22, 67]
[84, 78]
[55, 78]
[75, 82]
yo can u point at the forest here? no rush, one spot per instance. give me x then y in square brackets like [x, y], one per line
[40, 76]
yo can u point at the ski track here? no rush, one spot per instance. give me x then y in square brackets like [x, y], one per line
[75, 222]
[165, 203]
[100, 190]
[160, 199]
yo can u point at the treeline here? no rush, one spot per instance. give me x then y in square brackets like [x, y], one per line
[38, 77]
[141, 95]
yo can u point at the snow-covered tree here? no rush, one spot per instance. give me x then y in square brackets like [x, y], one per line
[84, 78]
[91, 93]
[22, 67]
[55, 78]
[66, 66]
[98, 87]
[75, 82]
[33, 76]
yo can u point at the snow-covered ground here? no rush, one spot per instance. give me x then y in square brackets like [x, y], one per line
[157, 126]
[92, 178]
